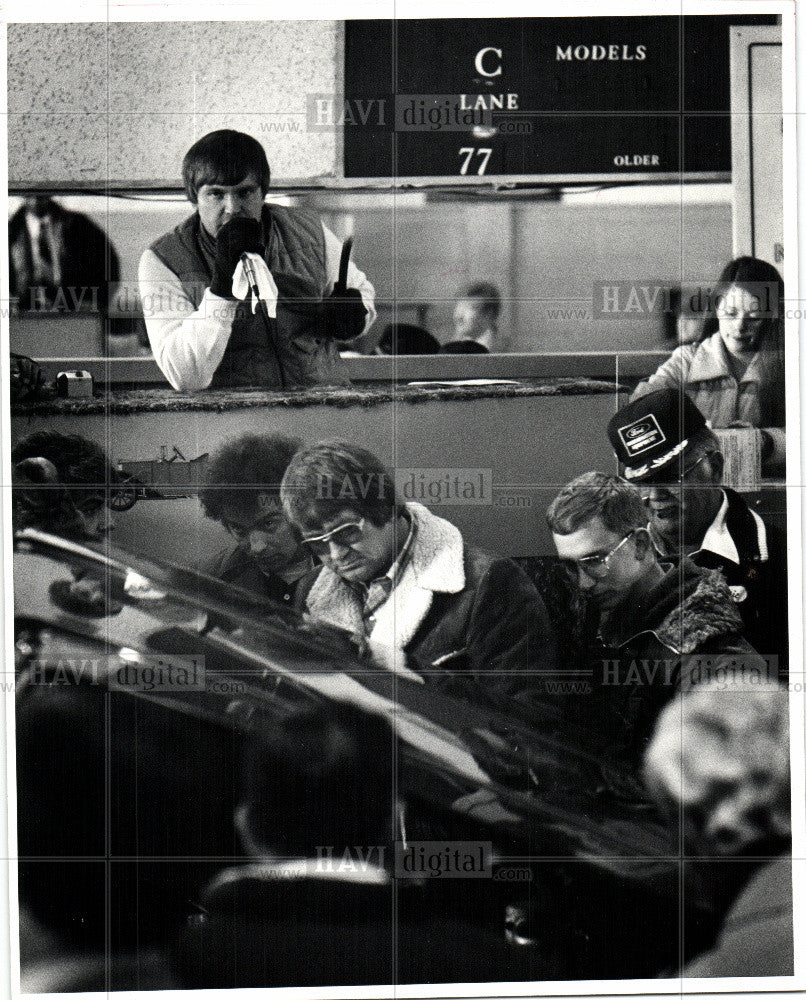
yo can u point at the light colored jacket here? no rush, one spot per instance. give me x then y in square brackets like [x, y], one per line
[704, 372]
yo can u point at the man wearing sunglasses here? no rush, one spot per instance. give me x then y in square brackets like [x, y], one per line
[242, 493]
[402, 579]
[667, 450]
[661, 627]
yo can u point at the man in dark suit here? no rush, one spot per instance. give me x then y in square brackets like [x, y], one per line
[59, 261]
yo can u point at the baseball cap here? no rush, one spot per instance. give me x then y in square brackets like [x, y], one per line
[654, 429]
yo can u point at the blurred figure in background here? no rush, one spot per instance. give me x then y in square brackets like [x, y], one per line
[735, 373]
[64, 484]
[719, 760]
[242, 492]
[59, 261]
[406, 338]
[475, 320]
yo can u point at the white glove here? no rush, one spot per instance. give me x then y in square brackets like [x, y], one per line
[265, 284]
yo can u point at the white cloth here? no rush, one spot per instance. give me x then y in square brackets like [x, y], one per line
[267, 289]
[189, 343]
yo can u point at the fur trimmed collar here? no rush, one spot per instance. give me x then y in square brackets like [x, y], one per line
[707, 611]
[436, 565]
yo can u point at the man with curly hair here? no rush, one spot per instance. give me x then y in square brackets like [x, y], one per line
[62, 484]
[242, 493]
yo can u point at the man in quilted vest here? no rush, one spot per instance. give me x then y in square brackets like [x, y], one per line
[206, 325]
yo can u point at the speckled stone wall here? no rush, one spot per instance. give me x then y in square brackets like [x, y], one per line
[93, 103]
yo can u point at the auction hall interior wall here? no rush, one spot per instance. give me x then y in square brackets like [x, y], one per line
[545, 256]
[104, 102]
[530, 445]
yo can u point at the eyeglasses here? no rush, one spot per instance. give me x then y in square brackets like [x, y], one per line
[596, 565]
[665, 477]
[345, 535]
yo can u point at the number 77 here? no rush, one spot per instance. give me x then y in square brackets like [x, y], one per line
[485, 152]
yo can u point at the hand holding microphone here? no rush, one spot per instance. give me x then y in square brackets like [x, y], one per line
[236, 237]
[253, 275]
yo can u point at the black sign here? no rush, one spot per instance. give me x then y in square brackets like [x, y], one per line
[525, 97]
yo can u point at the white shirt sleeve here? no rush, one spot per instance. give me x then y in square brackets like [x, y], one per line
[355, 277]
[187, 343]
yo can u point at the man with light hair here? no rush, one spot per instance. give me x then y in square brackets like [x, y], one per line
[660, 627]
[403, 579]
[475, 320]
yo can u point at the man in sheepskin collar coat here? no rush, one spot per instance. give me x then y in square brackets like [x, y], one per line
[403, 581]
[661, 628]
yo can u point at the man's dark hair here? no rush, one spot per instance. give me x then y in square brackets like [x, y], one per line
[55, 475]
[615, 502]
[332, 476]
[224, 157]
[487, 295]
[243, 467]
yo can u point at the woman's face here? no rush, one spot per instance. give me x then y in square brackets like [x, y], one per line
[741, 322]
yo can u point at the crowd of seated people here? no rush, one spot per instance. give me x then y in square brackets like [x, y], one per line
[670, 579]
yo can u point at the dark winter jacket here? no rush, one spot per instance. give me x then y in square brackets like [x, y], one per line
[685, 630]
[757, 936]
[239, 569]
[758, 582]
[469, 622]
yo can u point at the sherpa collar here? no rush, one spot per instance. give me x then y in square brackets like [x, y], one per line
[436, 566]
[706, 611]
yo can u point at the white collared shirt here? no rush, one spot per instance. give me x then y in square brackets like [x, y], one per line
[718, 540]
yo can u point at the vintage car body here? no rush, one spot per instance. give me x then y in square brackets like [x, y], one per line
[172, 732]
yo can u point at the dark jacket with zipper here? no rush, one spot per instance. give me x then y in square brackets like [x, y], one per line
[759, 586]
[685, 630]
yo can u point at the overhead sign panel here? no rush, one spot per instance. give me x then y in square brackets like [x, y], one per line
[564, 97]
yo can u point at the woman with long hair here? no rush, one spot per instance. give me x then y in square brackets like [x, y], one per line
[735, 371]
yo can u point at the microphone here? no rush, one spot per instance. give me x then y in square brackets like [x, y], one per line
[251, 277]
